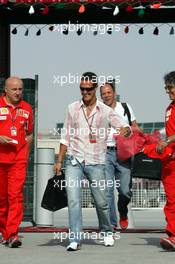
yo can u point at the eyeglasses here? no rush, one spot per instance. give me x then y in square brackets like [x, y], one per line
[89, 89]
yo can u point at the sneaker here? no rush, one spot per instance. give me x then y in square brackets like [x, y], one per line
[114, 228]
[168, 243]
[109, 241]
[4, 241]
[123, 222]
[14, 242]
[73, 246]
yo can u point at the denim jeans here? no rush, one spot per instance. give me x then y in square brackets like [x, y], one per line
[120, 173]
[96, 175]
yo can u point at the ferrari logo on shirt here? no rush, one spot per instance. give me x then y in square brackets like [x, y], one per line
[4, 111]
[23, 113]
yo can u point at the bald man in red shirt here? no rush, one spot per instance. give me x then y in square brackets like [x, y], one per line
[16, 126]
[168, 172]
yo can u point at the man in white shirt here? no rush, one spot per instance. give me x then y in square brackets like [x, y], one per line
[117, 171]
[85, 144]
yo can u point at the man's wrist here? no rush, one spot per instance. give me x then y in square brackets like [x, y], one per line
[59, 161]
[168, 141]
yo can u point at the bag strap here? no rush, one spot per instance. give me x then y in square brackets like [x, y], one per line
[127, 112]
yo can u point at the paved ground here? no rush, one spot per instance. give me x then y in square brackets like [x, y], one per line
[131, 248]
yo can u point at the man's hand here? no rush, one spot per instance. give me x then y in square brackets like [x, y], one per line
[125, 131]
[5, 140]
[57, 168]
[61, 154]
[160, 146]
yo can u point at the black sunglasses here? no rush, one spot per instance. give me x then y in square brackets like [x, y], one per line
[87, 89]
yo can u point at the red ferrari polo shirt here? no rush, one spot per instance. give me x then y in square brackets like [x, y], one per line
[170, 121]
[16, 123]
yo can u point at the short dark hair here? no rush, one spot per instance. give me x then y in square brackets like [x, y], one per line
[110, 83]
[170, 78]
[91, 77]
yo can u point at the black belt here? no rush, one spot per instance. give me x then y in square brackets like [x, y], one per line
[111, 148]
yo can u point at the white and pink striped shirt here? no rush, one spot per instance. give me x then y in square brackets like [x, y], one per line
[75, 133]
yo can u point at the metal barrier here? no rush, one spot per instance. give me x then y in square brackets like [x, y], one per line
[146, 194]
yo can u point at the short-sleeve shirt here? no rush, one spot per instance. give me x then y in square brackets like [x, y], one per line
[20, 118]
[170, 121]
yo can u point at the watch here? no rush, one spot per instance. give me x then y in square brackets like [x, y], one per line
[168, 141]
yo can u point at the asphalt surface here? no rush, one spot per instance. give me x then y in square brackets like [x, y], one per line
[140, 244]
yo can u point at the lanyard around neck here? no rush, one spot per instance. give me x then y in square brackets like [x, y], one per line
[89, 125]
[13, 119]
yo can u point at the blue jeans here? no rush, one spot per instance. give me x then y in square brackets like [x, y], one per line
[120, 174]
[96, 176]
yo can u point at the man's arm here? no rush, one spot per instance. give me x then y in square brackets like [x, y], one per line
[29, 139]
[64, 142]
[164, 143]
[116, 122]
[58, 164]
[135, 126]
[170, 139]
[5, 140]
[29, 131]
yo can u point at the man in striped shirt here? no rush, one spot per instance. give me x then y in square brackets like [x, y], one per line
[84, 136]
